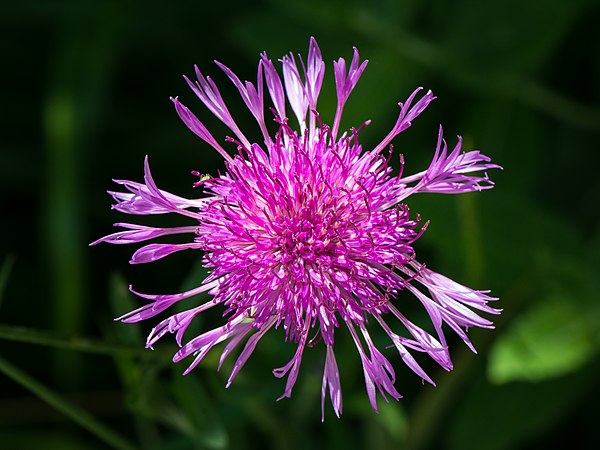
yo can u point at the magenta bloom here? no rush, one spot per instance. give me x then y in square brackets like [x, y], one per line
[309, 231]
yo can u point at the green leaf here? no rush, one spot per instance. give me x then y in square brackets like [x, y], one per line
[199, 417]
[121, 302]
[393, 419]
[552, 338]
[181, 404]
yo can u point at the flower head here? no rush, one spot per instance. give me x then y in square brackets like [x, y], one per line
[307, 231]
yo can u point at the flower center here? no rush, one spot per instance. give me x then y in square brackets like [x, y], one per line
[306, 236]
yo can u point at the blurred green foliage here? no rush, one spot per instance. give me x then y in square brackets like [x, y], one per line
[85, 88]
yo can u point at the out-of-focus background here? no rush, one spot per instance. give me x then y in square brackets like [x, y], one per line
[85, 92]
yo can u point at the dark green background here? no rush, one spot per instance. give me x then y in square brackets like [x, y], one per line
[85, 92]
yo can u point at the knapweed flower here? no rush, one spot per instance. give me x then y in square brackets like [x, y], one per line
[307, 230]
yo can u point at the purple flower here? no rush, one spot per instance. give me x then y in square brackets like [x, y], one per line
[308, 231]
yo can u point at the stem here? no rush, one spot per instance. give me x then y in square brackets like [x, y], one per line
[5, 270]
[466, 206]
[433, 405]
[78, 80]
[64, 227]
[75, 413]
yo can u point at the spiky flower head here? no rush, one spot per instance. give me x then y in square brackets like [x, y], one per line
[307, 231]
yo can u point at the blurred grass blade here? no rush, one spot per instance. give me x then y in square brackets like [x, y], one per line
[5, 271]
[30, 336]
[75, 413]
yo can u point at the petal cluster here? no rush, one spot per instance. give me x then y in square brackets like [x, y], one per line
[307, 231]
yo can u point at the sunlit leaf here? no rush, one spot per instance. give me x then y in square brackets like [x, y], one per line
[550, 339]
